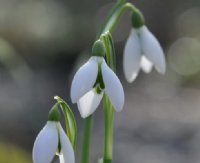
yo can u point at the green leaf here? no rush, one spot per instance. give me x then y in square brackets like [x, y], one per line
[70, 121]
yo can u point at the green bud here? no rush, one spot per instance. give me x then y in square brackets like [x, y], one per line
[54, 113]
[98, 49]
[137, 19]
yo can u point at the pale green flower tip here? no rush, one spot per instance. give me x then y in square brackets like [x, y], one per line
[54, 113]
[98, 49]
[137, 19]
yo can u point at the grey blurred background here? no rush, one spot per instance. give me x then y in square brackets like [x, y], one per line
[43, 42]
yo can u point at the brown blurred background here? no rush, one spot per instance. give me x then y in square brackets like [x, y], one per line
[43, 42]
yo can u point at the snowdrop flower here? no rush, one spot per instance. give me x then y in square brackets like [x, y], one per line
[94, 79]
[51, 140]
[142, 51]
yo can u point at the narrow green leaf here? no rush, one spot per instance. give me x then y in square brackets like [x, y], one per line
[70, 121]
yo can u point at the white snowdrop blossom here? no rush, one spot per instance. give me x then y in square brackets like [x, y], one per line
[90, 83]
[51, 140]
[142, 50]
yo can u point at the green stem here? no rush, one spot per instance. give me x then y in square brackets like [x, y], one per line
[114, 16]
[87, 139]
[109, 25]
[108, 134]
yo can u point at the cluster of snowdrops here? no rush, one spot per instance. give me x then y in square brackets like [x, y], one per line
[95, 81]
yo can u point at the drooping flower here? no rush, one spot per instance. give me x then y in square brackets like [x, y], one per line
[90, 83]
[142, 51]
[51, 140]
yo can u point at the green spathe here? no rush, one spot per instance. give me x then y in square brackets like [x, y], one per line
[70, 121]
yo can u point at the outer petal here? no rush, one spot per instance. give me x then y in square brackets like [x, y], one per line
[113, 87]
[84, 79]
[46, 143]
[132, 56]
[146, 65]
[61, 158]
[152, 49]
[89, 103]
[67, 152]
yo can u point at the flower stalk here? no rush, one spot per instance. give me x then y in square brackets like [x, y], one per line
[104, 35]
[114, 16]
[107, 28]
[108, 108]
[86, 140]
[108, 134]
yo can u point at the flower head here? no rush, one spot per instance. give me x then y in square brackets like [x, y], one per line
[50, 140]
[142, 51]
[90, 83]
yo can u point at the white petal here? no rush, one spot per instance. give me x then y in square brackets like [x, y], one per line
[46, 144]
[113, 87]
[146, 65]
[67, 152]
[84, 79]
[89, 103]
[152, 49]
[132, 56]
[61, 158]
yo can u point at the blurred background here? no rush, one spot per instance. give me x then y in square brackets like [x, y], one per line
[43, 42]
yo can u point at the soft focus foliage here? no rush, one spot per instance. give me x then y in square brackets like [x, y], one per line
[10, 153]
